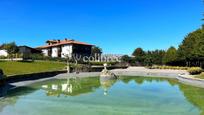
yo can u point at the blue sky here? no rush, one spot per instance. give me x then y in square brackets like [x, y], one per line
[117, 26]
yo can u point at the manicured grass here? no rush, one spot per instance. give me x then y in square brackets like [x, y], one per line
[16, 68]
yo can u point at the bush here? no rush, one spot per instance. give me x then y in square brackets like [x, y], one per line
[3, 57]
[37, 56]
[41, 57]
[168, 67]
[195, 70]
[101, 63]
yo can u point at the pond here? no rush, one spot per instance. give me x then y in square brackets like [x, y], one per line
[91, 96]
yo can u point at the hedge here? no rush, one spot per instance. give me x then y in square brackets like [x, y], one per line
[168, 67]
[195, 70]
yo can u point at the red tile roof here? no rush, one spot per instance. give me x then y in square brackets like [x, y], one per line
[62, 42]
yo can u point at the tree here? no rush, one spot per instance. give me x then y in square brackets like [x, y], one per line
[157, 56]
[148, 59]
[126, 58]
[96, 50]
[192, 48]
[154, 57]
[170, 56]
[138, 52]
[11, 48]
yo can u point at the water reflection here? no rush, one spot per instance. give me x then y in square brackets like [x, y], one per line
[75, 87]
[10, 94]
[3, 90]
[107, 84]
[194, 95]
[60, 88]
[71, 87]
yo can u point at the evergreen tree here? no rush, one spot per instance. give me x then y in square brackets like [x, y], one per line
[170, 56]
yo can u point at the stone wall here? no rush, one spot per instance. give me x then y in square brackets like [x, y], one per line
[186, 79]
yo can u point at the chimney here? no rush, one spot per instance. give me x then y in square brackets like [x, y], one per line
[65, 39]
[58, 41]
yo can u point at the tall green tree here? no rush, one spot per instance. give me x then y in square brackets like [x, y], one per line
[170, 56]
[148, 57]
[192, 48]
[138, 54]
[154, 57]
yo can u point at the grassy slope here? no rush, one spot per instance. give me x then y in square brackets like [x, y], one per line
[14, 68]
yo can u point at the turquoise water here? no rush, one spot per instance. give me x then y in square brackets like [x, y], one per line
[90, 96]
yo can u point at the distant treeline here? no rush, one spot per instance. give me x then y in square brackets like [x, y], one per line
[189, 53]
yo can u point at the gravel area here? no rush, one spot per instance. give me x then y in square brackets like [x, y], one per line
[142, 71]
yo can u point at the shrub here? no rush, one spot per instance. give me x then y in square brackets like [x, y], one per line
[168, 67]
[3, 57]
[195, 70]
[101, 63]
[37, 56]
[41, 57]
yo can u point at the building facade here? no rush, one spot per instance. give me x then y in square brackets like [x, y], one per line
[25, 51]
[65, 48]
[3, 53]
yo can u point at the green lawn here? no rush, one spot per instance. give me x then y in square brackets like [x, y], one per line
[16, 68]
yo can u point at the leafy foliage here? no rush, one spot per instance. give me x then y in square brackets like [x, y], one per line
[192, 48]
[168, 67]
[190, 53]
[170, 56]
[125, 58]
[155, 57]
[195, 70]
[138, 52]
[101, 63]
[148, 58]
[96, 50]
[11, 48]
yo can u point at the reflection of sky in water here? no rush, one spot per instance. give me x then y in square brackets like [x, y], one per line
[126, 96]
